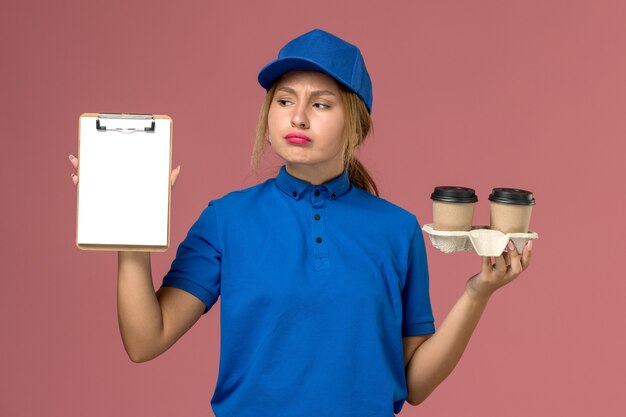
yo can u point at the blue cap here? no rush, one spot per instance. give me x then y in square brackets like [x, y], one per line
[321, 51]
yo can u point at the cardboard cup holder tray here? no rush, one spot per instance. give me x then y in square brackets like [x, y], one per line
[481, 239]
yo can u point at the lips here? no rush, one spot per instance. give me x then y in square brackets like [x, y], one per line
[297, 138]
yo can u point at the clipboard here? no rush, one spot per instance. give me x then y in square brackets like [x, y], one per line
[124, 192]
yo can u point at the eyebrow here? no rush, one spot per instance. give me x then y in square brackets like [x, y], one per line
[313, 94]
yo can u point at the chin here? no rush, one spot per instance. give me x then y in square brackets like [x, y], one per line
[296, 159]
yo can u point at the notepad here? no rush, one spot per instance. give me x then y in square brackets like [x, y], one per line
[124, 182]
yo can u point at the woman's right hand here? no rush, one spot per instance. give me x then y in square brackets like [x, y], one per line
[74, 161]
[149, 322]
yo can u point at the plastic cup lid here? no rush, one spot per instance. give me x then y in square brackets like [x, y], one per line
[454, 194]
[512, 196]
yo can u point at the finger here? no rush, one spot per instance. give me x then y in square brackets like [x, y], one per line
[500, 264]
[74, 161]
[516, 265]
[507, 258]
[74, 178]
[174, 176]
[486, 263]
[527, 254]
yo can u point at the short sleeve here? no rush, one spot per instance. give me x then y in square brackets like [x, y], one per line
[417, 315]
[197, 266]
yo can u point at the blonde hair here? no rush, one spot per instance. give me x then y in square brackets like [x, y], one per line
[357, 126]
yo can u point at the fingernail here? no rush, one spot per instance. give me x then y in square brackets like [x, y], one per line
[71, 157]
[72, 175]
[510, 245]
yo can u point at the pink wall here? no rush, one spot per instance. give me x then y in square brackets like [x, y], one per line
[484, 94]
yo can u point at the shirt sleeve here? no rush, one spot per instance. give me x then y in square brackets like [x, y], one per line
[417, 315]
[197, 265]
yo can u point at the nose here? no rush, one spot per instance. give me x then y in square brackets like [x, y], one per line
[299, 118]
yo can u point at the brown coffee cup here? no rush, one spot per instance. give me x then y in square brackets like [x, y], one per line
[453, 208]
[510, 210]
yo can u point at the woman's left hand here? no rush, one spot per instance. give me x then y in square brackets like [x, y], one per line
[507, 267]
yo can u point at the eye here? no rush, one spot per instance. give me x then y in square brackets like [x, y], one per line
[282, 102]
[323, 106]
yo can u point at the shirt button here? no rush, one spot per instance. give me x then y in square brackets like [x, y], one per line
[294, 194]
[317, 193]
[318, 239]
[316, 217]
[333, 196]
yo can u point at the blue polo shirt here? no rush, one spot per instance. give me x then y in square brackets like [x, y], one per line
[318, 285]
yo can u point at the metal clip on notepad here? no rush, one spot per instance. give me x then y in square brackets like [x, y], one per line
[134, 118]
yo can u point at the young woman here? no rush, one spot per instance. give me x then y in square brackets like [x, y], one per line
[325, 309]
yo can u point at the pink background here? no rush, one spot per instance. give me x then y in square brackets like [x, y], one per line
[527, 94]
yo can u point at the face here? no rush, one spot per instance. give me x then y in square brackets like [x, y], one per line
[305, 123]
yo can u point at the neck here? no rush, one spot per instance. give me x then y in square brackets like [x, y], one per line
[311, 174]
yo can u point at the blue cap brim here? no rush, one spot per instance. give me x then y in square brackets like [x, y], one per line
[270, 73]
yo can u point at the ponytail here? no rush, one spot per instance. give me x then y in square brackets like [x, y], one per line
[358, 124]
[360, 177]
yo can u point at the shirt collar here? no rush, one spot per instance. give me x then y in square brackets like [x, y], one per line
[295, 187]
